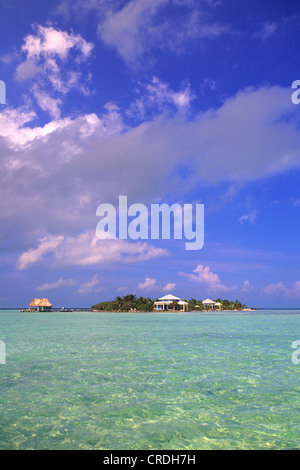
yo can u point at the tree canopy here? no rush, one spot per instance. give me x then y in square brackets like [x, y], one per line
[131, 302]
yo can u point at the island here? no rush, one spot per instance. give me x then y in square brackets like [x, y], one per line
[167, 303]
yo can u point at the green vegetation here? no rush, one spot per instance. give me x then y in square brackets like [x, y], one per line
[132, 303]
[231, 305]
[125, 304]
[227, 304]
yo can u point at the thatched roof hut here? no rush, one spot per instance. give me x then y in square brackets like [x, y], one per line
[44, 305]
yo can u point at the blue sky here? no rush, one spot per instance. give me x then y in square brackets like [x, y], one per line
[163, 101]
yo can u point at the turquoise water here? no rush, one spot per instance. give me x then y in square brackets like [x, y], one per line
[149, 381]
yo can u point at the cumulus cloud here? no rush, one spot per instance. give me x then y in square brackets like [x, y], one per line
[90, 286]
[135, 29]
[280, 289]
[156, 97]
[48, 44]
[169, 287]
[52, 63]
[46, 245]
[87, 250]
[149, 284]
[46, 103]
[56, 285]
[93, 158]
[124, 28]
[204, 276]
[247, 287]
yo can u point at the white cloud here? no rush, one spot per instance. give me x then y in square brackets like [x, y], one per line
[122, 289]
[47, 245]
[94, 158]
[28, 69]
[49, 42]
[90, 286]
[169, 287]
[56, 285]
[46, 103]
[157, 97]
[149, 284]
[250, 217]
[125, 28]
[52, 63]
[87, 250]
[267, 30]
[203, 275]
[280, 289]
[135, 28]
[275, 289]
[247, 287]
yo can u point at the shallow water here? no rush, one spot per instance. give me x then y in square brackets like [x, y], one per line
[149, 381]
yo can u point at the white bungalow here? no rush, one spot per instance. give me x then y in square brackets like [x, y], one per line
[219, 306]
[167, 302]
[184, 306]
[210, 304]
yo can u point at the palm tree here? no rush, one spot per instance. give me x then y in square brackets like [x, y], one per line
[129, 298]
[118, 301]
